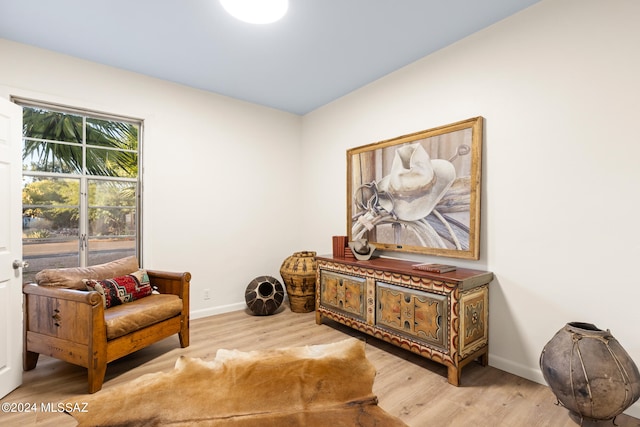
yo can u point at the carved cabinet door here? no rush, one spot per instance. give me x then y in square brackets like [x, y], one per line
[342, 292]
[413, 313]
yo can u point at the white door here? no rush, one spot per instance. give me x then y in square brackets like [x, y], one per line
[10, 247]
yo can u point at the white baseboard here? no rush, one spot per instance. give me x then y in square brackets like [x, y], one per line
[634, 410]
[509, 366]
[198, 314]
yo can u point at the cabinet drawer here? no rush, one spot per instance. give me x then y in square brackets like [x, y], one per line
[343, 293]
[415, 314]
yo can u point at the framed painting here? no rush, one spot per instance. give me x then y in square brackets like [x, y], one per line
[419, 193]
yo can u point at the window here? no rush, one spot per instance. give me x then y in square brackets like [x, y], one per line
[81, 187]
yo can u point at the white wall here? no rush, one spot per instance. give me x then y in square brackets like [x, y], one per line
[559, 89]
[219, 174]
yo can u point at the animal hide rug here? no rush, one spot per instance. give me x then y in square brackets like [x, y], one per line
[322, 385]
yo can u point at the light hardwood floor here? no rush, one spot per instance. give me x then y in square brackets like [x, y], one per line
[410, 387]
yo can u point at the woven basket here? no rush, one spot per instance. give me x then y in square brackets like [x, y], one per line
[299, 276]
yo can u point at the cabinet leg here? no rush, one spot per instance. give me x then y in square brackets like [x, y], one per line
[453, 375]
[318, 318]
[484, 359]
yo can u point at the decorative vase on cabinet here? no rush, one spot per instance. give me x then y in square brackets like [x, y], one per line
[299, 275]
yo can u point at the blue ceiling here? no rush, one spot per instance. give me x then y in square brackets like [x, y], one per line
[320, 51]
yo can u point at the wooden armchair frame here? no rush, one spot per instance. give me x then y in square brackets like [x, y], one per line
[70, 325]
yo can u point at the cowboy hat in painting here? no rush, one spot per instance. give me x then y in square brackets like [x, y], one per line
[415, 184]
[361, 249]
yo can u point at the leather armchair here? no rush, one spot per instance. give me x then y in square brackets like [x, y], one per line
[73, 324]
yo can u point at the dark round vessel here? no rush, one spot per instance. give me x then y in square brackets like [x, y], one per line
[264, 295]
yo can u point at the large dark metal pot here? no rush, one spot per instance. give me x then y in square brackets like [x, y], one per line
[589, 372]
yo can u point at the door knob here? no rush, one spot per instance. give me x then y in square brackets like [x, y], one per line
[20, 264]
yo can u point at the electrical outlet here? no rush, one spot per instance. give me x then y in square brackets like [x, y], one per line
[206, 294]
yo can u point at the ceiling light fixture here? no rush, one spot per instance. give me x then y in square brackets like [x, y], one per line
[256, 11]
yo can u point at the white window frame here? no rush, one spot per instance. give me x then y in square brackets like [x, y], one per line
[85, 177]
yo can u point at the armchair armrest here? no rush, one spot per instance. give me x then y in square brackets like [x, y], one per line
[171, 283]
[91, 298]
[176, 284]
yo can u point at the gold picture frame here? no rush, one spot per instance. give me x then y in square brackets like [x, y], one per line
[420, 192]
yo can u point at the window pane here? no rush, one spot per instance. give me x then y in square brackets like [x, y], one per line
[51, 125]
[51, 157]
[112, 233]
[115, 222]
[49, 239]
[104, 162]
[111, 193]
[104, 250]
[106, 133]
[112, 209]
[46, 192]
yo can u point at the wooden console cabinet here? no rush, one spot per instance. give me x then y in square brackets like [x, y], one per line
[443, 317]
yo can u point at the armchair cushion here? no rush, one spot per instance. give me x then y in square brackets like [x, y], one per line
[121, 289]
[71, 278]
[123, 319]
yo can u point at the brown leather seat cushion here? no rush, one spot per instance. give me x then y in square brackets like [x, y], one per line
[135, 315]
